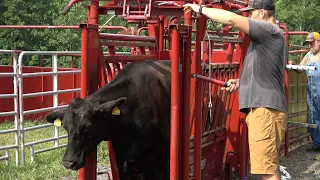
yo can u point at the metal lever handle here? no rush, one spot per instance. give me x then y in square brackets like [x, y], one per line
[66, 10]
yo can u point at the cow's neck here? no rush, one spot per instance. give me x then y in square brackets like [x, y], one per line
[114, 90]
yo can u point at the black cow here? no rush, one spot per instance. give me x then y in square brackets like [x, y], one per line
[140, 134]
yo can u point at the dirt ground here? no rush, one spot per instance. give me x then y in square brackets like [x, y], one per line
[300, 164]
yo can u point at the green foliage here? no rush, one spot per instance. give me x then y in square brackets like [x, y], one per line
[299, 15]
[46, 165]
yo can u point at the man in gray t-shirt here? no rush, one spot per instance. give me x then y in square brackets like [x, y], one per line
[262, 76]
[261, 84]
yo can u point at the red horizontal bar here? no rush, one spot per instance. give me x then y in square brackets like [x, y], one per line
[298, 51]
[130, 58]
[215, 32]
[121, 37]
[211, 80]
[298, 33]
[124, 44]
[37, 27]
[54, 27]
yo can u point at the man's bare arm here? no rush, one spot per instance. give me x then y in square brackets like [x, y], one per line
[228, 18]
[222, 16]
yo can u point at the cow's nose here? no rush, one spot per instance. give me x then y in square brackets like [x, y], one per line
[68, 164]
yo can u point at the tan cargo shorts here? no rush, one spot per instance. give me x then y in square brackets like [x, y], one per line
[266, 130]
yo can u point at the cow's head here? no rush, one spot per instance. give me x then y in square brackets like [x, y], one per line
[87, 125]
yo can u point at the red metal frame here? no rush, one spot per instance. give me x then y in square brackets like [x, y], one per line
[192, 140]
[187, 92]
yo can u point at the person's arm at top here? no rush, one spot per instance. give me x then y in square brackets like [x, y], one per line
[223, 16]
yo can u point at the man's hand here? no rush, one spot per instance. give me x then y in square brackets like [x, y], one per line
[291, 62]
[192, 7]
[233, 85]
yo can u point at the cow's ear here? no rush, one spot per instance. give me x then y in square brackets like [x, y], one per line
[111, 105]
[51, 117]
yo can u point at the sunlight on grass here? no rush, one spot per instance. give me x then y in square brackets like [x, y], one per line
[46, 165]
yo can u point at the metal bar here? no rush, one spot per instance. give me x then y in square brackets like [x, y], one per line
[121, 37]
[69, 90]
[69, 72]
[38, 94]
[50, 73]
[49, 149]
[41, 110]
[50, 92]
[310, 125]
[186, 101]
[210, 80]
[124, 44]
[174, 135]
[297, 33]
[54, 27]
[286, 148]
[36, 27]
[59, 53]
[8, 113]
[312, 68]
[37, 127]
[201, 22]
[88, 172]
[8, 147]
[223, 39]
[36, 74]
[32, 153]
[55, 95]
[8, 131]
[299, 46]
[116, 58]
[45, 140]
[4, 157]
[7, 96]
[21, 108]
[7, 74]
[298, 51]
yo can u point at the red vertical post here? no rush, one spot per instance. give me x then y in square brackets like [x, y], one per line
[161, 35]
[73, 77]
[201, 23]
[87, 172]
[186, 99]
[161, 32]
[42, 78]
[286, 79]
[174, 136]
[40, 61]
[89, 51]
[84, 62]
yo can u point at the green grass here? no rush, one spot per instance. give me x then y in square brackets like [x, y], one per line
[46, 165]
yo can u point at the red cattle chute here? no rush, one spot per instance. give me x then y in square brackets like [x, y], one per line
[195, 140]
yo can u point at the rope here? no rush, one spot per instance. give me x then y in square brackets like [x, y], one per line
[210, 85]
[106, 22]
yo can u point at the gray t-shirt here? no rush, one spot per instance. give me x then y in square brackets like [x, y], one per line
[262, 77]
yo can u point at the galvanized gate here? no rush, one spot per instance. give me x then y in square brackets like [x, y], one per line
[14, 113]
[19, 97]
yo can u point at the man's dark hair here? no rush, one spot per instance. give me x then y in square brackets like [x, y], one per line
[271, 13]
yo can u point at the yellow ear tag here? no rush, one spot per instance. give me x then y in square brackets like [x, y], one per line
[116, 111]
[57, 122]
